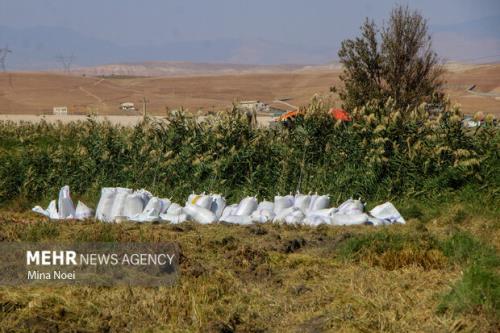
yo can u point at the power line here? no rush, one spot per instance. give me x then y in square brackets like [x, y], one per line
[66, 62]
[3, 56]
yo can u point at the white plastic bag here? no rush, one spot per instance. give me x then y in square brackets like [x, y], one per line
[118, 207]
[387, 212]
[65, 205]
[134, 203]
[50, 212]
[351, 206]
[165, 204]
[246, 206]
[103, 210]
[295, 217]
[230, 210]
[174, 209]
[282, 214]
[151, 212]
[237, 219]
[322, 212]
[218, 205]
[302, 202]
[263, 216]
[319, 202]
[174, 218]
[200, 200]
[83, 212]
[284, 202]
[315, 220]
[199, 214]
[265, 205]
[349, 219]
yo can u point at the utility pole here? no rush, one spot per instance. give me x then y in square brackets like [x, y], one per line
[66, 62]
[3, 56]
[144, 107]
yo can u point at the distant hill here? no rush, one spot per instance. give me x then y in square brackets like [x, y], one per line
[36, 49]
[476, 41]
[171, 68]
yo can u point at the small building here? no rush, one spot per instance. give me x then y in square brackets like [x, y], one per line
[256, 106]
[127, 106]
[60, 110]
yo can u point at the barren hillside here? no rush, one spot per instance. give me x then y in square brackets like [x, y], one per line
[37, 93]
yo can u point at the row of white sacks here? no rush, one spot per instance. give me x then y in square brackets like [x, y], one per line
[122, 204]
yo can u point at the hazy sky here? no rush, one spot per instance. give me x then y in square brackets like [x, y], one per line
[237, 31]
[314, 22]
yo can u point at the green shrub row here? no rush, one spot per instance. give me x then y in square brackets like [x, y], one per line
[383, 153]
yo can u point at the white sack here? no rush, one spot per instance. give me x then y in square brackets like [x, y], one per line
[50, 212]
[118, 207]
[388, 212]
[200, 200]
[302, 202]
[262, 216]
[319, 202]
[83, 212]
[315, 220]
[135, 203]
[349, 219]
[151, 212]
[281, 203]
[246, 206]
[296, 217]
[65, 204]
[281, 215]
[174, 218]
[237, 219]
[265, 205]
[199, 214]
[174, 209]
[327, 212]
[351, 207]
[165, 204]
[230, 210]
[103, 210]
[40, 210]
[218, 205]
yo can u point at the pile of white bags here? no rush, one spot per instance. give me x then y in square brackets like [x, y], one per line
[64, 208]
[201, 208]
[122, 204]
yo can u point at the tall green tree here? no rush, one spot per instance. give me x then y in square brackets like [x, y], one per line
[395, 61]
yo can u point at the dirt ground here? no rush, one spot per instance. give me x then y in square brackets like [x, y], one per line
[37, 93]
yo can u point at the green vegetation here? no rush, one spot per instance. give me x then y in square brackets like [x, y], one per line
[396, 62]
[379, 156]
[442, 176]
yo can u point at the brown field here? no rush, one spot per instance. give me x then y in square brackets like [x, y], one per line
[37, 93]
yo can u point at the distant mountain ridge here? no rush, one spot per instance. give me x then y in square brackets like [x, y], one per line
[37, 49]
[172, 68]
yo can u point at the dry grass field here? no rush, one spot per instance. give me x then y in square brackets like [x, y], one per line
[269, 278]
[37, 93]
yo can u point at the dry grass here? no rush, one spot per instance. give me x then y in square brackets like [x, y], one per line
[258, 279]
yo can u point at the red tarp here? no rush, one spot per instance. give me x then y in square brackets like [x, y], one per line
[340, 114]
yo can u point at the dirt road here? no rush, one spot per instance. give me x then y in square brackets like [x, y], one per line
[115, 120]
